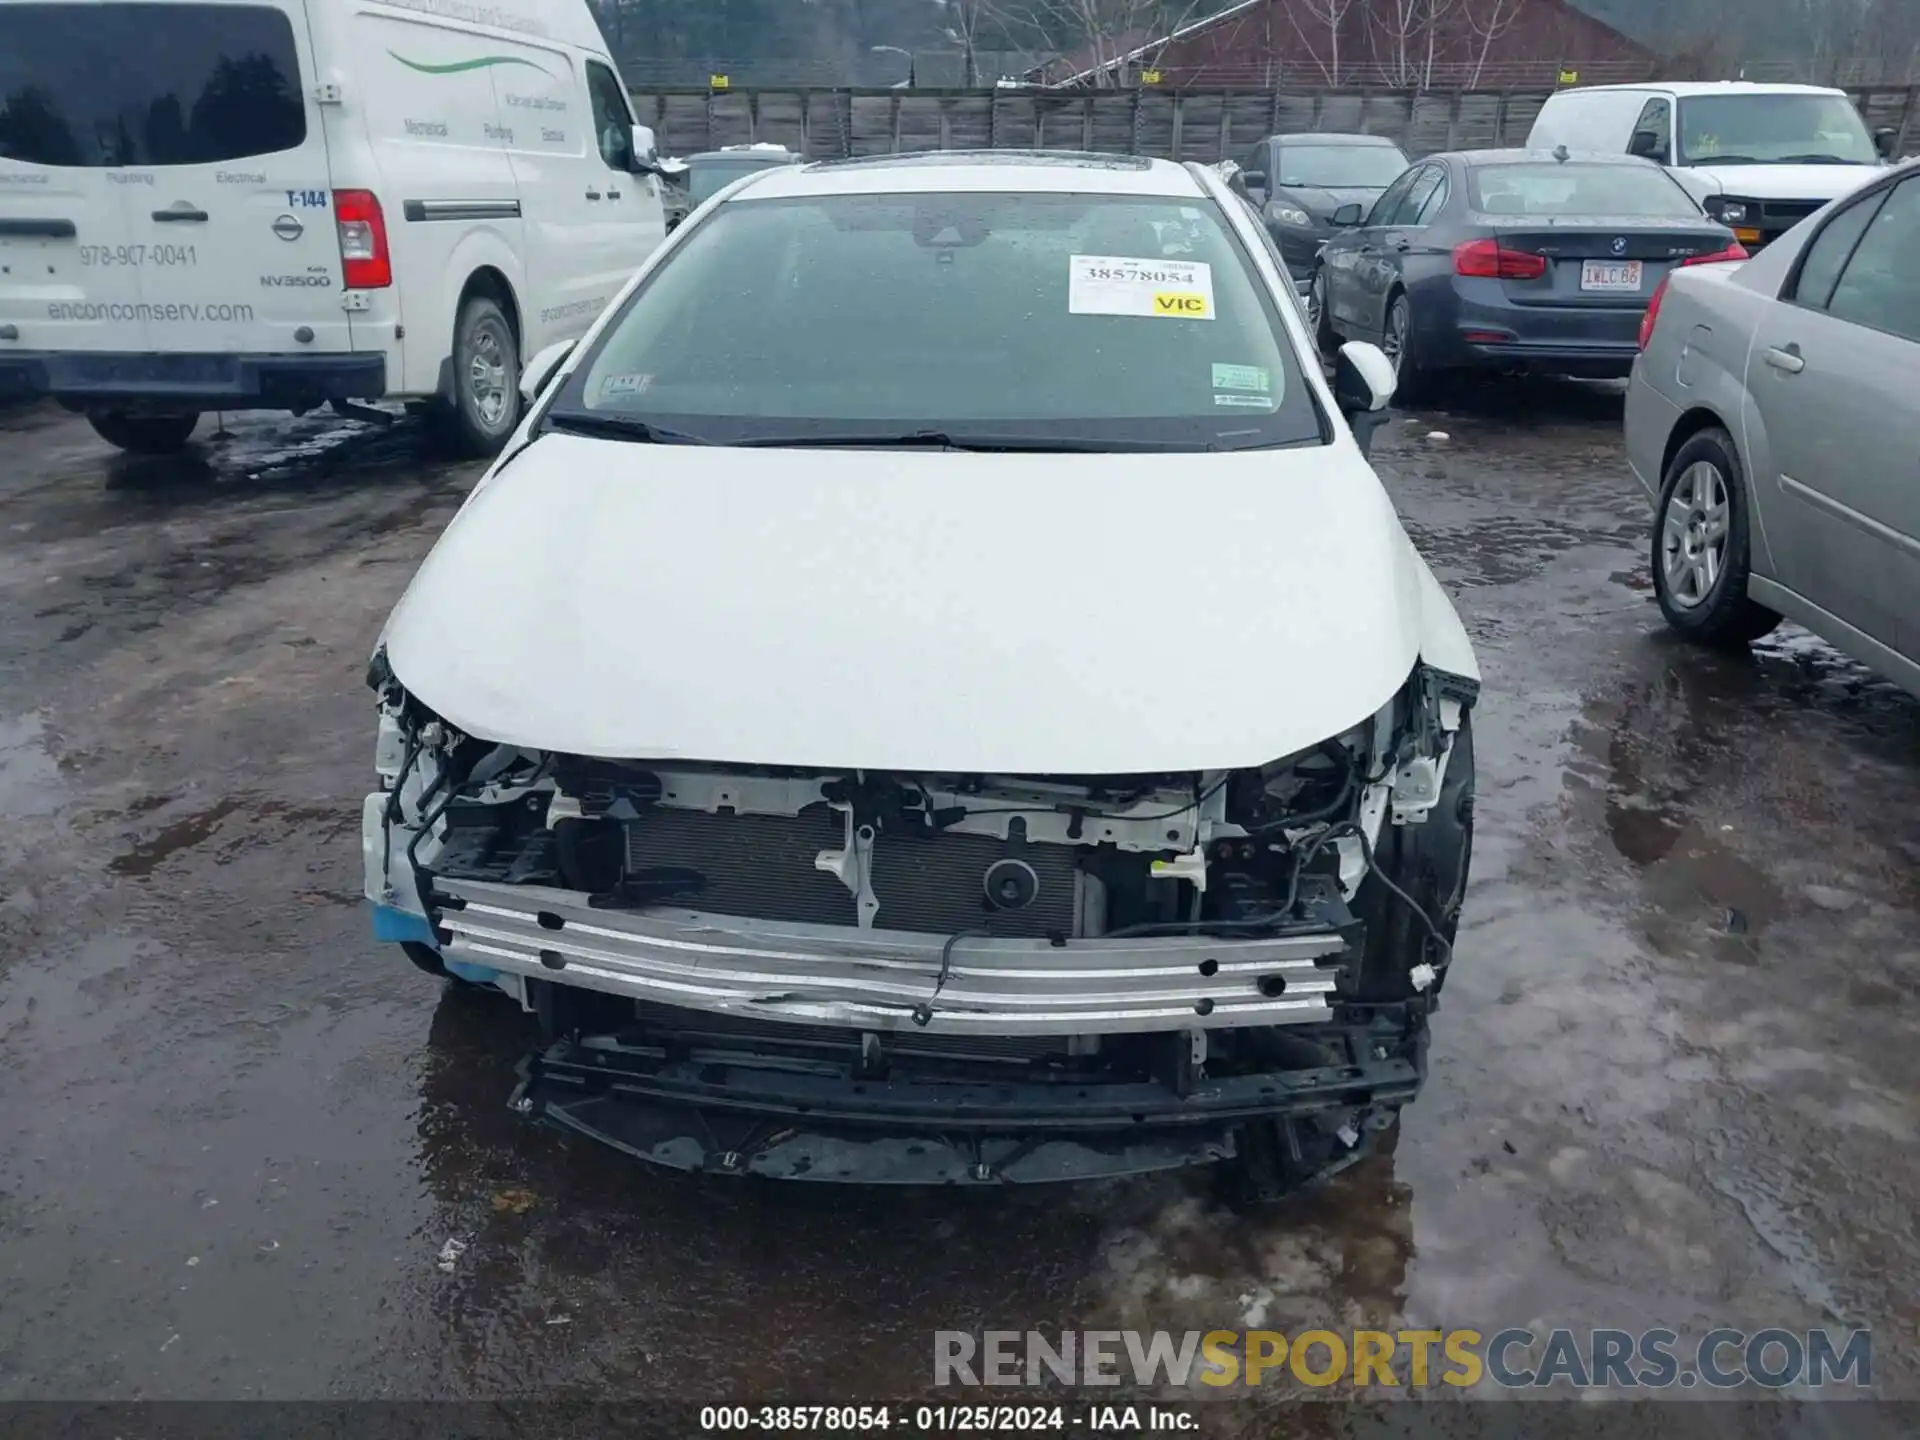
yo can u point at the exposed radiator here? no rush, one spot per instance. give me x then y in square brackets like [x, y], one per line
[757, 866]
[761, 867]
[936, 885]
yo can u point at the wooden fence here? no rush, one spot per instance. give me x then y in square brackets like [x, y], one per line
[1184, 125]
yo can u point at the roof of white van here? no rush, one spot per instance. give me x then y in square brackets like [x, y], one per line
[569, 23]
[962, 170]
[1684, 88]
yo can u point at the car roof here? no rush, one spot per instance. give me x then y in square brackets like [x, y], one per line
[1683, 88]
[1521, 156]
[1042, 171]
[1330, 138]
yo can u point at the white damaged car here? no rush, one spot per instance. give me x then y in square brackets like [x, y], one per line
[935, 692]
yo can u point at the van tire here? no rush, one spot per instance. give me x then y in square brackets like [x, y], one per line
[485, 368]
[144, 434]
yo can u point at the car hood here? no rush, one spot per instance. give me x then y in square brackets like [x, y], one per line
[1322, 200]
[1784, 182]
[917, 611]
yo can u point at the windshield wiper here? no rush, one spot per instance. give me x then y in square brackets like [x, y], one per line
[1821, 159]
[941, 440]
[620, 427]
[1722, 160]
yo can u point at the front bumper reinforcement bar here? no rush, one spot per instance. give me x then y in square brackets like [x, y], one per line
[883, 980]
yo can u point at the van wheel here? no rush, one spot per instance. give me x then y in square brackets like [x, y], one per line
[144, 434]
[481, 413]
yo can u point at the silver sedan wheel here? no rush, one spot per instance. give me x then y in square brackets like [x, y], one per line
[1316, 302]
[1694, 535]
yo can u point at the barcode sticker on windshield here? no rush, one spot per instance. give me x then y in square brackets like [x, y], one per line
[1117, 285]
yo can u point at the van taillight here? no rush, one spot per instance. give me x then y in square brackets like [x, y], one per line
[363, 240]
[1652, 317]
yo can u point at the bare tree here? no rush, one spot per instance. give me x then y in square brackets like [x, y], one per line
[1486, 22]
[1868, 41]
[1437, 13]
[1314, 21]
[1098, 33]
[1405, 37]
[965, 20]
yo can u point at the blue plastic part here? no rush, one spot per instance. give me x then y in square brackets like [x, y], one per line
[394, 926]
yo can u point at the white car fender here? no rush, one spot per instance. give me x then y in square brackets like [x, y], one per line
[1444, 643]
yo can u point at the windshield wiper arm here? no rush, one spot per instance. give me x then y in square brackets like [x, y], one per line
[912, 439]
[620, 427]
[941, 440]
[1823, 158]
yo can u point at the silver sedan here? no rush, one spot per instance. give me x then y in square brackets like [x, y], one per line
[1774, 416]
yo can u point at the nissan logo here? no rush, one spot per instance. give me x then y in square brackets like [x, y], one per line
[1619, 243]
[287, 227]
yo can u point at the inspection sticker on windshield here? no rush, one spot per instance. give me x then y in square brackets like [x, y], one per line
[1241, 377]
[1117, 285]
[625, 385]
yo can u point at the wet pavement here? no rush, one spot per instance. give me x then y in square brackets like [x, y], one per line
[1674, 1079]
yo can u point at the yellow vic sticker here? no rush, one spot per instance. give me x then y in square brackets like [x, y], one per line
[1181, 303]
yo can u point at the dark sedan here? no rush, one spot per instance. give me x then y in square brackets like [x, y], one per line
[1297, 182]
[1510, 259]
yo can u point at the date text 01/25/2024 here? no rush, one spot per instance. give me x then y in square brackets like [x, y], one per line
[945, 1419]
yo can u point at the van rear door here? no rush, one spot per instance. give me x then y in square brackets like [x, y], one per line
[68, 280]
[200, 118]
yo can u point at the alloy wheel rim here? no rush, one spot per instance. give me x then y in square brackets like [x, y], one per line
[487, 377]
[1695, 530]
[1394, 342]
[1316, 301]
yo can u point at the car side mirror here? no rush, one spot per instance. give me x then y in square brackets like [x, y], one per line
[1363, 384]
[1887, 142]
[1349, 215]
[542, 368]
[1648, 146]
[1254, 180]
[645, 156]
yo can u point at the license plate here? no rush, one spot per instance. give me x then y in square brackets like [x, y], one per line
[1610, 275]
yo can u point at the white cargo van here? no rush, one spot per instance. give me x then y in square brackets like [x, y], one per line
[279, 204]
[1760, 158]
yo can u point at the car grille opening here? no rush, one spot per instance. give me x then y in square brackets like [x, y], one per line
[707, 1031]
[762, 867]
